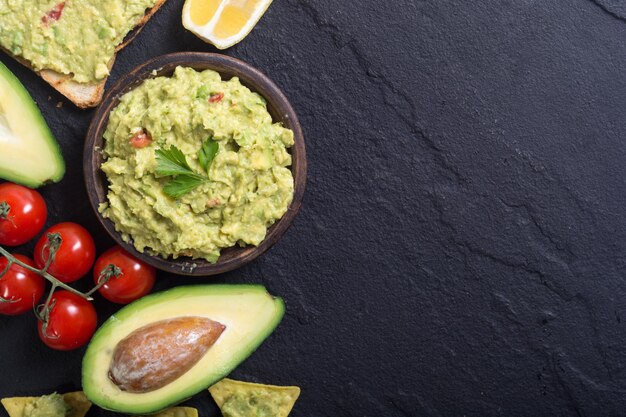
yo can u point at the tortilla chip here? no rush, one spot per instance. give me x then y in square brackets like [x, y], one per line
[15, 406]
[227, 387]
[80, 404]
[177, 412]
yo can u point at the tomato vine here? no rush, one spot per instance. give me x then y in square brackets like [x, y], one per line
[53, 243]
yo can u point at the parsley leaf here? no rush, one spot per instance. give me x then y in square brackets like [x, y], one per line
[207, 153]
[172, 163]
[182, 184]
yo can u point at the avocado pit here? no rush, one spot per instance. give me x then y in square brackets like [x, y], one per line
[154, 355]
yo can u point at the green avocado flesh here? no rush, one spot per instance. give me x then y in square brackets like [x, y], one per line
[248, 312]
[29, 154]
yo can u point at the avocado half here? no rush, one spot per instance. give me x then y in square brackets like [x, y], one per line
[248, 312]
[29, 153]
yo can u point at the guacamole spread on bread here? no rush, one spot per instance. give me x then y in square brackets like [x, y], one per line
[75, 37]
[243, 190]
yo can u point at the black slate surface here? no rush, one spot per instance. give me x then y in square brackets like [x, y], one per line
[461, 247]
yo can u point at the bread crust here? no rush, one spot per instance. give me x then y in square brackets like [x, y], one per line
[85, 95]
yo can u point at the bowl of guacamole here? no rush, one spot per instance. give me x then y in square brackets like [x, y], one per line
[195, 163]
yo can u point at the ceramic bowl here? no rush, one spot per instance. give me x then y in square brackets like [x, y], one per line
[277, 105]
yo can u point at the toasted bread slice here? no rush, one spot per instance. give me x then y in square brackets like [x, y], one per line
[82, 94]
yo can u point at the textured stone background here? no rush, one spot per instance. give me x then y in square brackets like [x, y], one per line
[461, 247]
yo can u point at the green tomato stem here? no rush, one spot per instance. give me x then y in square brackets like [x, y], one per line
[53, 244]
[42, 272]
[110, 271]
[3, 273]
[5, 208]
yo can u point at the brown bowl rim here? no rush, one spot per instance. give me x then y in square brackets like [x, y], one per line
[278, 105]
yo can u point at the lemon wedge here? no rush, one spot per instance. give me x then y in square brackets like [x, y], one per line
[223, 23]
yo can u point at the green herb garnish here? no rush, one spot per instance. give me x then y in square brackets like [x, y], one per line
[172, 163]
[207, 153]
[182, 184]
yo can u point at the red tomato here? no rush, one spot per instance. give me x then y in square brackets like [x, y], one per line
[53, 15]
[71, 322]
[135, 280]
[216, 98]
[23, 214]
[22, 287]
[75, 255]
[141, 139]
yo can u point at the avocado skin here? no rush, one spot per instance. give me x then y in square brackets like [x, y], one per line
[178, 394]
[38, 122]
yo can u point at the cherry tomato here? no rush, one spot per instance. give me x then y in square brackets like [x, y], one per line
[21, 287]
[134, 278]
[75, 255]
[23, 214]
[72, 320]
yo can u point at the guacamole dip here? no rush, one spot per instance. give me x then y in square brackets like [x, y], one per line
[261, 404]
[243, 399]
[69, 37]
[248, 184]
[52, 405]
